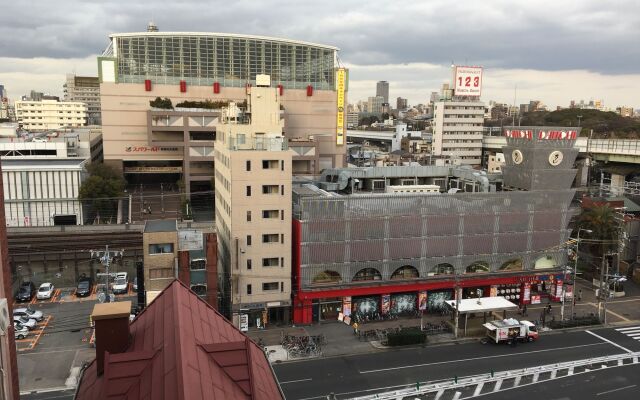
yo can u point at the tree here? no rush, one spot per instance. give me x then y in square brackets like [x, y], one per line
[102, 188]
[605, 227]
[161, 103]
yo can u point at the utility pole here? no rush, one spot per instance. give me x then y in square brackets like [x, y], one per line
[575, 271]
[105, 257]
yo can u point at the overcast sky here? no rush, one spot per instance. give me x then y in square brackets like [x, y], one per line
[552, 51]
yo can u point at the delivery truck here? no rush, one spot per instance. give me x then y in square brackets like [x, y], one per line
[510, 329]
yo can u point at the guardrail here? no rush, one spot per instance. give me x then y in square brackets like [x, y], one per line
[515, 378]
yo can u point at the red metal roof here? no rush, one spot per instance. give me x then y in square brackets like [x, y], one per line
[182, 349]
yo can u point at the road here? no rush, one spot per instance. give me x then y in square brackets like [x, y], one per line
[612, 383]
[351, 376]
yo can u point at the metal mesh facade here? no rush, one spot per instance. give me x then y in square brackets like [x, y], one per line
[202, 59]
[341, 236]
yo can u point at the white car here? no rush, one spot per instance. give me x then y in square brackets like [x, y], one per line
[28, 313]
[45, 291]
[121, 283]
[21, 331]
[29, 323]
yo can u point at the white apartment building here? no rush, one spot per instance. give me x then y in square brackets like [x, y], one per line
[457, 130]
[374, 105]
[253, 173]
[50, 114]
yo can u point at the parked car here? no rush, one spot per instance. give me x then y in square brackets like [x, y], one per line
[26, 291]
[21, 330]
[30, 323]
[45, 291]
[84, 287]
[29, 313]
[121, 283]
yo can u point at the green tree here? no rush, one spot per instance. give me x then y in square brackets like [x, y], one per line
[605, 226]
[101, 189]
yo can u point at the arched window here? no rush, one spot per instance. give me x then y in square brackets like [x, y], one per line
[405, 272]
[512, 265]
[443, 269]
[478, 267]
[367, 274]
[325, 277]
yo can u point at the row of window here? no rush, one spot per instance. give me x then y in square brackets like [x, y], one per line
[267, 189]
[268, 214]
[267, 287]
[267, 164]
[268, 238]
[267, 262]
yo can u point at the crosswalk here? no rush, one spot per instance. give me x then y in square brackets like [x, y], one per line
[631, 331]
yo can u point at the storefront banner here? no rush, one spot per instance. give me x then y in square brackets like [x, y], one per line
[526, 292]
[535, 299]
[341, 78]
[436, 300]
[403, 303]
[493, 291]
[346, 305]
[244, 322]
[559, 289]
[422, 300]
[386, 302]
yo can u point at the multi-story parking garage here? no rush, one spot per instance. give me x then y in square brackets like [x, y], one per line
[364, 253]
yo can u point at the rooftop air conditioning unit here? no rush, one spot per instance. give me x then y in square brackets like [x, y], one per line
[4, 317]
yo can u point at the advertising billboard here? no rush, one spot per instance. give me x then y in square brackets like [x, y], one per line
[468, 81]
[341, 81]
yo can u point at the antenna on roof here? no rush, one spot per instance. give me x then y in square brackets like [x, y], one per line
[152, 27]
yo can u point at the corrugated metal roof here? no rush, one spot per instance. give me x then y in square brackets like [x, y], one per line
[182, 349]
[161, 225]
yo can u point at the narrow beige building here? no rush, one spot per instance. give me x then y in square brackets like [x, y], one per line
[253, 209]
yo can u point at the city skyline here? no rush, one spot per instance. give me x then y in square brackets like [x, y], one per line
[544, 49]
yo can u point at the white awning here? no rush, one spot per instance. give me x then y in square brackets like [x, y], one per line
[482, 304]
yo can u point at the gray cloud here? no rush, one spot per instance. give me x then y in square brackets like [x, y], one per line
[543, 35]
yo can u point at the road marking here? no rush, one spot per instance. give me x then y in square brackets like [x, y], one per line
[616, 390]
[297, 380]
[630, 328]
[609, 341]
[483, 358]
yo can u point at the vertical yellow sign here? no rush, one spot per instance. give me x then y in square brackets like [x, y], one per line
[340, 88]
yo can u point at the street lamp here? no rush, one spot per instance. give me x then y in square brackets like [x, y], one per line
[575, 271]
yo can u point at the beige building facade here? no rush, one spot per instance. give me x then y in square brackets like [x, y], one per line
[457, 130]
[253, 171]
[218, 68]
[160, 252]
[50, 114]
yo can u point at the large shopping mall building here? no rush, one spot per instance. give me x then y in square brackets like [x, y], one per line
[156, 145]
[370, 241]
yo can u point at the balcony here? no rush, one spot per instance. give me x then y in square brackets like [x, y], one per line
[237, 143]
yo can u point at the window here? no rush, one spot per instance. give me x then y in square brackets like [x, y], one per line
[270, 238]
[269, 213]
[269, 189]
[282, 238]
[161, 248]
[248, 240]
[248, 165]
[198, 264]
[282, 286]
[249, 289]
[270, 262]
[270, 286]
[282, 261]
[161, 273]
[249, 264]
[248, 191]
[282, 215]
[248, 216]
[269, 164]
[282, 190]
[282, 165]
[200, 289]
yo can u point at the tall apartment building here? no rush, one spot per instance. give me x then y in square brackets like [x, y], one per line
[457, 130]
[85, 89]
[50, 114]
[401, 103]
[382, 90]
[149, 146]
[253, 210]
[374, 105]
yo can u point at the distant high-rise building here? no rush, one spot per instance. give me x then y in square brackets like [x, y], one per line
[401, 103]
[50, 114]
[625, 111]
[374, 105]
[4, 104]
[382, 90]
[85, 89]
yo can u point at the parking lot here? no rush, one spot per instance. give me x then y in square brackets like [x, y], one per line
[56, 349]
